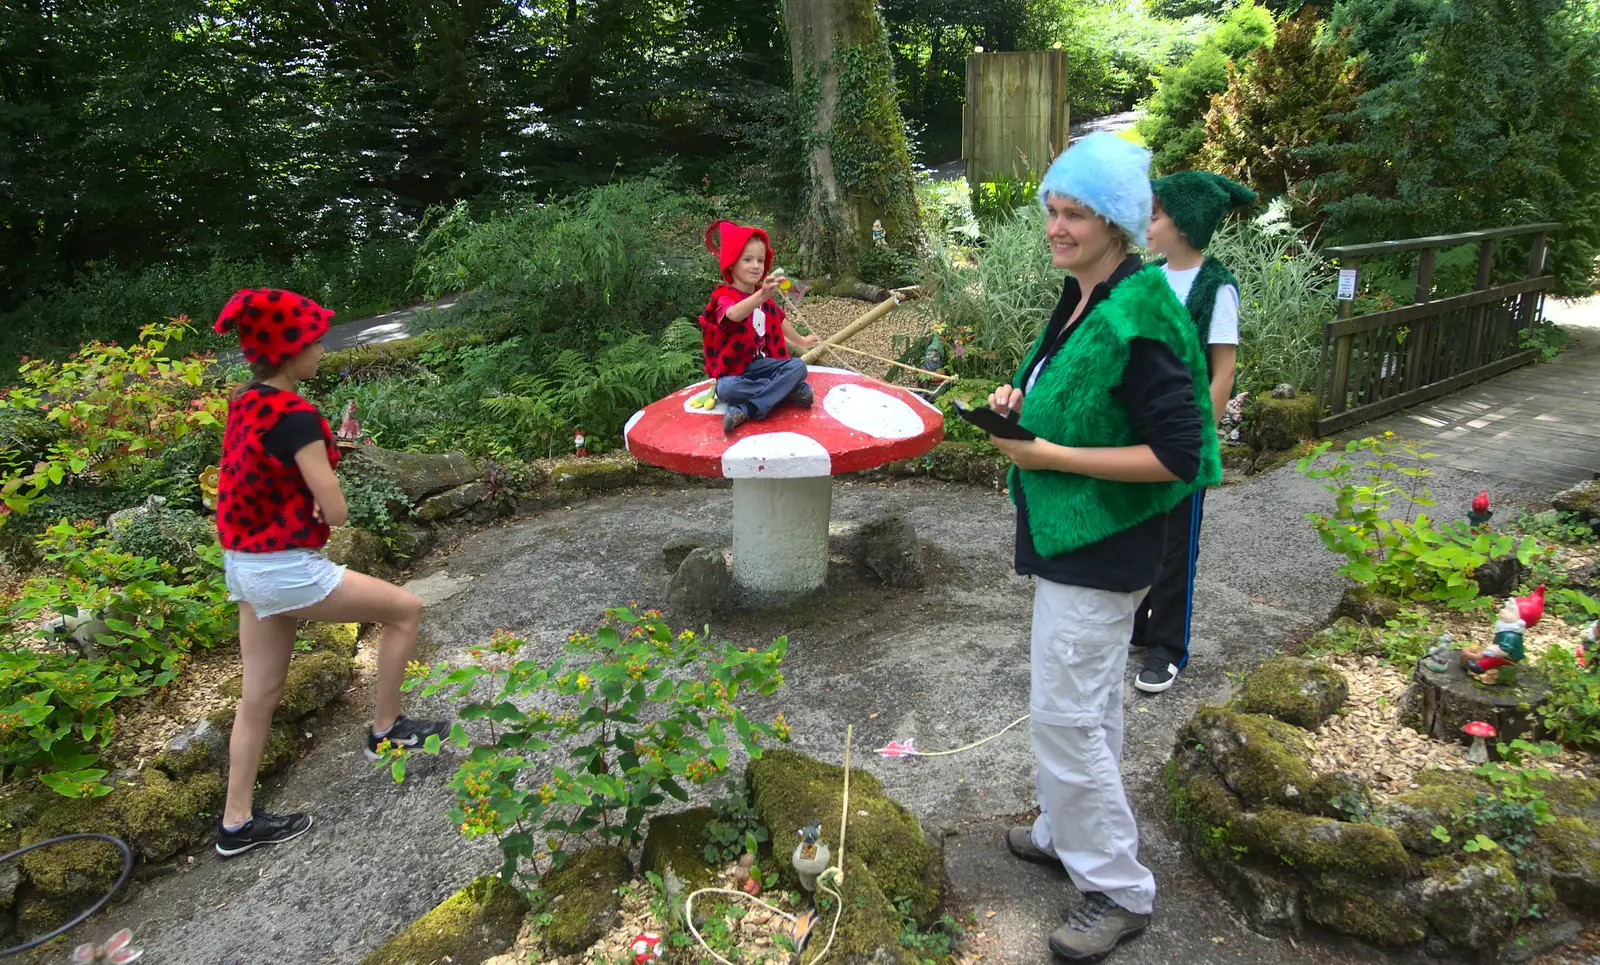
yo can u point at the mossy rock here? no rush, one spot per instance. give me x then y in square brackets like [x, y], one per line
[339, 638]
[1577, 797]
[1263, 760]
[965, 462]
[1299, 692]
[475, 923]
[1313, 844]
[1367, 607]
[315, 680]
[594, 475]
[38, 915]
[791, 791]
[1200, 807]
[162, 817]
[77, 869]
[1279, 423]
[1583, 502]
[283, 749]
[362, 550]
[1340, 795]
[1273, 900]
[1471, 901]
[869, 930]
[582, 901]
[1413, 816]
[675, 844]
[1358, 905]
[1571, 849]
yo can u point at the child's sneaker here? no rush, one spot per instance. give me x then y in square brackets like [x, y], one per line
[802, 395]
[406, 733]
[262, 828]
[735, 417]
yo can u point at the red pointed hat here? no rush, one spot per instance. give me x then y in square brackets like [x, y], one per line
[727, 241]
[273, 324]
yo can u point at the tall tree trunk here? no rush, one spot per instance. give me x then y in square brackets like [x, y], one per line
[857, 166]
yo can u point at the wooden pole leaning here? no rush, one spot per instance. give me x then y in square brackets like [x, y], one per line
[876, 313]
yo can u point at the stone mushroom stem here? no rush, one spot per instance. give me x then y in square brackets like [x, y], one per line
[780, 536]
[1478, 753]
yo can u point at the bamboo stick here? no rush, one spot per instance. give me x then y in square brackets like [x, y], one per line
[877, 312]
[878, 358]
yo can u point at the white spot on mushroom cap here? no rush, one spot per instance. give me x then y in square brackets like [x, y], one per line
[776, 455]
[633, 420]
[696, 391]
[832, 370]
[878, 414]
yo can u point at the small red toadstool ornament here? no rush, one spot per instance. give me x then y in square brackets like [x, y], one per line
[1478, 753]
[781, 465]
[646, 948]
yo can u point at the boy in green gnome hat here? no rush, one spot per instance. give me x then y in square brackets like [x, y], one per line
[1187, 208]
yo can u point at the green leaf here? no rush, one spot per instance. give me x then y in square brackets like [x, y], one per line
[674, 788]
[398, 770]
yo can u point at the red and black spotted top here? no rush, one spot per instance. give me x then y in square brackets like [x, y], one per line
[263, 503]
[731, 346]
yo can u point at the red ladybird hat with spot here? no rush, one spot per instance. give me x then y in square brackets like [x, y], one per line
[273, 324]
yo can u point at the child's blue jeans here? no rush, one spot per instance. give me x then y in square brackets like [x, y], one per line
[764, 384]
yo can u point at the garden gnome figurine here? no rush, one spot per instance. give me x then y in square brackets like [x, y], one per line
[811, 856]
[1589, 647]
[1514, 618]
[578, 446]
[1480, 511]
[350, 428]
[1438, 659]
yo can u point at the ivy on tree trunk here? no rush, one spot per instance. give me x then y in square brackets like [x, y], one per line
[857, 167]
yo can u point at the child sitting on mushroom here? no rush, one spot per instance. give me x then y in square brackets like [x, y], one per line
[744, 332]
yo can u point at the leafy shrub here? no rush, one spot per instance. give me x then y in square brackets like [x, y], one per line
[176, 537]
[626, 256]
[1554, 526]
[374, 499]
[56, 703]
[111, 304]
[998, 200]
[119, 407]
[1286, 296]
[1571, 708]
[946, 211]
[1405, 558]
[736, 828]
[1174, 123]
[639, 711]
[996, 301]
[1115, 51]
[1291, 94]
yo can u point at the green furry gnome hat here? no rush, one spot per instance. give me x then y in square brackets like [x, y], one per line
[1197, 200]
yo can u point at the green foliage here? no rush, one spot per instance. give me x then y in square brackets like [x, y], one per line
[1174, 123]
[1289, 95]
[176, 537]
[1509, 817]
[1405, 558]
[946, 209]
[375, 500]
[1115, 51]
[56, 702]
[1478, 113]
[995, 301]
[1399, 643]
[119, 407]
[994, 202]
[737, 829]
[1286, 296]
[1554, 527]
[1547, 337]
[1571, 708]
[928, 946]
[638, 711]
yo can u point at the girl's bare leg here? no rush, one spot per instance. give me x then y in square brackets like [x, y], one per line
[364, 599]
[265, 646]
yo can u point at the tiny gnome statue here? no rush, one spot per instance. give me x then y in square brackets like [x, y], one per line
[1513, 620]
[1480, 512]
[1589, 647]
[579, 446]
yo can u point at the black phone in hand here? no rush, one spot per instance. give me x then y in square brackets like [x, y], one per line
[993, 422]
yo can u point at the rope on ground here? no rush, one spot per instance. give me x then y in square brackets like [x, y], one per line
[896, 749]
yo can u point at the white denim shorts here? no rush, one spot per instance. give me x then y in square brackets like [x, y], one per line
[274, 583]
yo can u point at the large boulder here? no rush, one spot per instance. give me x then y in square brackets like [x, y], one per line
[1299, 692]
[1262, 760]
[1367, 607]
[362, 550]
[791, 791]
[1413, 816]
[1373, 909]
[595, 475]
[161, 816]
[674, 847]
[453, 502]
[702, 587]
[76, 870]
[1313, 844]
[1583, 502]
[1273, 423]
[202, 746]
[1471, 901]
[1572, 848]
[421, 474]
[582, 901]
[315, 680]
[474, 923]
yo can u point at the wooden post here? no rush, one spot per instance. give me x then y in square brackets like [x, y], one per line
[1422, 328]
[1480, 315]
[1338, 401]
[1529, 311]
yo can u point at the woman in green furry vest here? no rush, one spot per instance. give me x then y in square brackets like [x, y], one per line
[1114, 390]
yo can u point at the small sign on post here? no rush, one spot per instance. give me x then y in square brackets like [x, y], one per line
[1347, 284]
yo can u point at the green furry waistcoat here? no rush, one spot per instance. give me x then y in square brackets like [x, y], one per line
[1071, 405]
[1202, 301]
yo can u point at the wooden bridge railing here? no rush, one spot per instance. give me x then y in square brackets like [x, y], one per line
[1374, 364]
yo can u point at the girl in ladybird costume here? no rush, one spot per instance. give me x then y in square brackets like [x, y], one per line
[744, 332]
[277, 496]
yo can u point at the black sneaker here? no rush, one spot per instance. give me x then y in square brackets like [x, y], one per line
[406, 733]
[735, 417]
[802, 395]
[1157, 676]
[262, 828]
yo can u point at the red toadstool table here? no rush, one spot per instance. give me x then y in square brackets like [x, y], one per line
[782, 466]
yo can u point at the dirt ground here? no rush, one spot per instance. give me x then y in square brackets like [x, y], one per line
[944, 665]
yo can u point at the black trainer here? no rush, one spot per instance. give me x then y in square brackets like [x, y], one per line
[262, 828]
[1158, 675]
[802, 395]
[406, 733]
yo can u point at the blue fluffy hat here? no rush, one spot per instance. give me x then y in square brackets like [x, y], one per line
[1109, 176]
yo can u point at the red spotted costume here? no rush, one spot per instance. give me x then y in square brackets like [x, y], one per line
[263, 503]
[731, 346]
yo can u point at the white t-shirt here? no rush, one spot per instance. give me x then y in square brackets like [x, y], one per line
[1224, 314]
